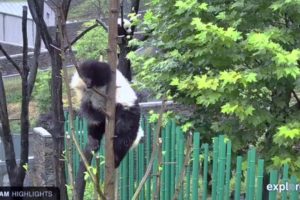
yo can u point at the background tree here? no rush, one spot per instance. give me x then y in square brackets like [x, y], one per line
[54, 46]
[238, 61]
[93, 44]
[17, 171]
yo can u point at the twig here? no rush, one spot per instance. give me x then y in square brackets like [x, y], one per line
[81, 35]
[97, 185]
[99, 21]
[188, 148]
[65, 76]
[153, 153]
[158, 175]
[10, 60]
[296, 97]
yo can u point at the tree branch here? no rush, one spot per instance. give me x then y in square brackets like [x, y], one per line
[80, 36]
[25, 43]
[34, 67]
[296, 97]
[10, 60]
[10, 157]
[109, 184]
[36, 10]
[100, 22]
[25, 103]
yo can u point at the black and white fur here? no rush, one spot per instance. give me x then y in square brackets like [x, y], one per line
[127, 130]
[125, 29]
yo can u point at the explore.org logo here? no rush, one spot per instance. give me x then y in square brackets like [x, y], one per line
[283, 187]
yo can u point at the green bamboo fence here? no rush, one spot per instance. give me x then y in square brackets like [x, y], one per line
[210, 173]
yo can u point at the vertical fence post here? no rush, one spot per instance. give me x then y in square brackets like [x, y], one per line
[273, 180]
[215, 168]
[285, 180]
[188, 183]
[167, 160]
[238, 174]
[195, 172]
[205, 172]
[131, 173]
[148, 154]
[260, 178]
[294, 192]
[228, 170]
[251, 175]
[173, 161]
[221, 168]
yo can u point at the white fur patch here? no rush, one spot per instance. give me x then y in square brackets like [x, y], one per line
[125, 95]
[139, 136]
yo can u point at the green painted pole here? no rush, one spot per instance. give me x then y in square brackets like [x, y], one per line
[188, 183]
[163, 167]
[126, 182]
[238, 174]
[294, 192]
[131, 173]
[168, 160]
[154, 179]
[215, 168]
[173, 164]
[221, 168]
[260, 177]
[285, 180]
[148, 154]
[142, 168]
[195, 171]
[228, 170]
[273, 180]
[205, 172]
[181, 160]
[251, 175]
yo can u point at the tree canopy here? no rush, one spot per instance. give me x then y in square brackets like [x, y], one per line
[237, 61]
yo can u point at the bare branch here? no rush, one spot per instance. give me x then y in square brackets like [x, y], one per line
[25, 43]
[296, 97]
[36, 10]
[81, 35]
[109, 185]
[10, 60]
[34, 67]
[99, 21]
[6, 137]
[65, 8]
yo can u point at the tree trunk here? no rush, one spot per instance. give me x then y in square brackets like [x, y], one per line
[109, 185]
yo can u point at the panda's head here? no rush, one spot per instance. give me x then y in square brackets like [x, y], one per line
[124, 29]
[95, 73]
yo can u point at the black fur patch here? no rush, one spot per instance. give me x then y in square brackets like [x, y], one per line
[127, 125]
[95, 73]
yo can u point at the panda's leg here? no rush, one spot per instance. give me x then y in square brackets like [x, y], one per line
[121, 147]
[95, 133]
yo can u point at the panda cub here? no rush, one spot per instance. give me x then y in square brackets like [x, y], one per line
[97, 75]
[124, 28]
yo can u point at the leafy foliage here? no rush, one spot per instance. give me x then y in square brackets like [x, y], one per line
[238, 61]
[42, 91]
[93, 44]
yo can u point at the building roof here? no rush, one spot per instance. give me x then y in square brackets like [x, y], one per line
[14, 8]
